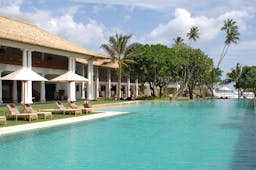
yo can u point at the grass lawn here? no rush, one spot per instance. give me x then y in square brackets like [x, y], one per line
[48, 105]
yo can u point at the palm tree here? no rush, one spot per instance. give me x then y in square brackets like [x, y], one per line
[232, 36]
[178, 40]
[193, 35]
[235, 73]
[120, 52]
[234, 76]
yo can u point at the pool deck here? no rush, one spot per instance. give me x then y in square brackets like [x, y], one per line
[32, 126]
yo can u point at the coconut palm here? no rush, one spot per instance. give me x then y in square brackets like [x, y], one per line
[178, 40]
[234, 76]
[193, 35]
[235, 73]
[232, 36]
[120, 52]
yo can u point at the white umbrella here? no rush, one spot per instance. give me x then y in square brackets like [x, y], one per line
[69, 77]
[24, 75]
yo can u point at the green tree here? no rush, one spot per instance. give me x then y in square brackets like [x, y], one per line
[120, 52]
[202, 67]
[186, 53]
[248, 79]
[213, 77]
[154, 67]
[143, 69]
[184, 70]
[232, 36]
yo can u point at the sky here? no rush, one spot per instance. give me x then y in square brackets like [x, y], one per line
[89, 23]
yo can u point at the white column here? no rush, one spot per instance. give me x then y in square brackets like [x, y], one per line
[108, 87]
[83, 85]
[72, 85]
[73, 91]
[1, 96]
[70, 65]
[24, 58]
[97, 81]
[90, 87]
[42, 91]
[14, 91]
[136, 88]
[128, 87]
[29, 83]
[26, 85]
[29, 59]
[24, 64]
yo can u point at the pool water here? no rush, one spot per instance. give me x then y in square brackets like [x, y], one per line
[199, 135]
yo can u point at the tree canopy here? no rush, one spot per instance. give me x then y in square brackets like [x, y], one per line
[248, 78]
[160, 65]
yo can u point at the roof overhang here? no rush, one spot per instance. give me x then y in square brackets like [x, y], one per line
[101, 63]
[18, 34]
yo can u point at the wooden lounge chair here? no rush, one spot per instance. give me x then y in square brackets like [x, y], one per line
[29, 109]
[16, 114]
[65, 110]
[84, 109]
[3, 119]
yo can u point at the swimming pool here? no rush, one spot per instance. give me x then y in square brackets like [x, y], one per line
[200, 135]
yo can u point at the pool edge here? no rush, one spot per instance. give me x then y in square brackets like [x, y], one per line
[27, 127]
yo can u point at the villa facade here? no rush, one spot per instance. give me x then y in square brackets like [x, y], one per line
[26, 45]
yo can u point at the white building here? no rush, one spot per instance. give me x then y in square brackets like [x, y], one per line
[26, 45]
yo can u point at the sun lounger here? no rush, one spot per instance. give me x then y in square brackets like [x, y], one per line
[84, 109]
[29, 109]
[3, 119]
[65, 110]
[16, 114]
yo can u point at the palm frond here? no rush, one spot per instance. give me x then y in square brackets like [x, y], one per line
[133, 50]
[108, 48]
[193, 34]
[129, 61]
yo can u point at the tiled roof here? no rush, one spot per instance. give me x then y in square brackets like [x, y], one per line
[19, 31]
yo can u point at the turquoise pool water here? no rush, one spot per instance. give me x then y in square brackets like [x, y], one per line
[200, 135]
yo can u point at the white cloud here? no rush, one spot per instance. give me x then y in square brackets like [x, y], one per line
[246, 45]
[209, 28]
[197, 6]
[152, 4]
[91, 34]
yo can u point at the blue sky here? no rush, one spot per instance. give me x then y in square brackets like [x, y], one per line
[89, 23]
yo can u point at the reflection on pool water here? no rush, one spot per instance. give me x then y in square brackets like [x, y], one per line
[200, 135]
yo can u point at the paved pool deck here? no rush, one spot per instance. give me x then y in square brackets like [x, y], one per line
[46, 124]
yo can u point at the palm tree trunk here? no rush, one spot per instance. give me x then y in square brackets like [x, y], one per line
[223, 53]
[190, 91]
